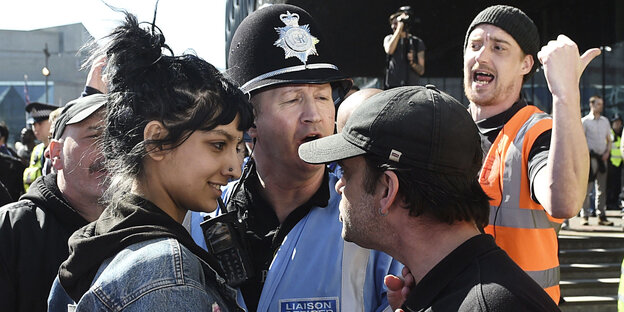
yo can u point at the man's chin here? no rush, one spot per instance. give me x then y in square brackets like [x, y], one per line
[478, 98]
[345, 236]
[348, 235]
[311, 167]
[469, 93]
[362, 243]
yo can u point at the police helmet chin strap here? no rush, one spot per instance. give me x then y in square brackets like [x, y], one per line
[241, 212]
[338, 94]
[251, 149]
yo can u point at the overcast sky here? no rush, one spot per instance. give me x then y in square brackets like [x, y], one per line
[196, 24]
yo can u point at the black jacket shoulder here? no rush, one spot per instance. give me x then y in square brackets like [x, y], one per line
[34, 243]
[11, 170]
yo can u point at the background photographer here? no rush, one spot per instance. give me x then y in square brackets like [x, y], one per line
[405, 52]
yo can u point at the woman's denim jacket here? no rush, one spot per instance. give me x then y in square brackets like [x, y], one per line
[155, 275]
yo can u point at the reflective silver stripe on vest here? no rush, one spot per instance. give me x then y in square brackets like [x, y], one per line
[521, 218]
[288, 70]
[509, 214]
[546, 278]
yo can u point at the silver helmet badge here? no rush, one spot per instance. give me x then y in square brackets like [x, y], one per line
[296, 40]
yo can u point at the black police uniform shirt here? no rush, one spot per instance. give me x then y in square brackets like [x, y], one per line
[478, 276]
[489, 129]
[264, 233]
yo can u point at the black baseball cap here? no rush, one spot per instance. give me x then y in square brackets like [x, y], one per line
[39, 111]
[78, 110]
[281, 44]
[419, 127]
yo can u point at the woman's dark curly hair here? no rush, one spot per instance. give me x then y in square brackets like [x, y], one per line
[184, 93]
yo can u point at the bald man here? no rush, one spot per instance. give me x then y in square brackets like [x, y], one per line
[350, 104]
[344, 112]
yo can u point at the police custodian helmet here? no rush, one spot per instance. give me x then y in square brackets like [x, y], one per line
[281, 44]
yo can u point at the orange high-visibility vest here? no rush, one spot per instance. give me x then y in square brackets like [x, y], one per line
[519, 225]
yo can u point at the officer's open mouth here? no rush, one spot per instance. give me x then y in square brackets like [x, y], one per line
[311, 138]
[482, 77]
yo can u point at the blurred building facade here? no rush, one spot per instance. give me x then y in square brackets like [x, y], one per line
[22, 59]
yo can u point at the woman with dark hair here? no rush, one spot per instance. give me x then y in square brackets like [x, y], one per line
[174, 130]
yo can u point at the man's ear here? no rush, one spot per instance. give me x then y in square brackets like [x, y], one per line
[390, 190]
[527, 64]
[55, 150]
[253, 131]
[153, 131]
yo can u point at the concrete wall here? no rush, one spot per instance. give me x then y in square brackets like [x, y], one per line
[21, 53]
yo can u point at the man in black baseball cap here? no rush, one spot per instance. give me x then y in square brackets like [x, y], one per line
[76, 111]
[35, 229]
[410, 159]
[281, 60]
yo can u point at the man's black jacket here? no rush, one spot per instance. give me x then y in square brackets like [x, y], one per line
[33, 243]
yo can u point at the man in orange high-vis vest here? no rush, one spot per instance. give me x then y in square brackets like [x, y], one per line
[536, 167]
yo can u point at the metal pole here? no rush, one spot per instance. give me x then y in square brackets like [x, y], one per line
[603, 74]
[47, 55]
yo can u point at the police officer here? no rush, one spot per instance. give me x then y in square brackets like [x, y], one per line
[281, 60]
[39, 112]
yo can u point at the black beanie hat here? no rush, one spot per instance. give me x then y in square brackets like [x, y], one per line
[515, 23]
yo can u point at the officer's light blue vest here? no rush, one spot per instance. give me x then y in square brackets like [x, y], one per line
[316, 270]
